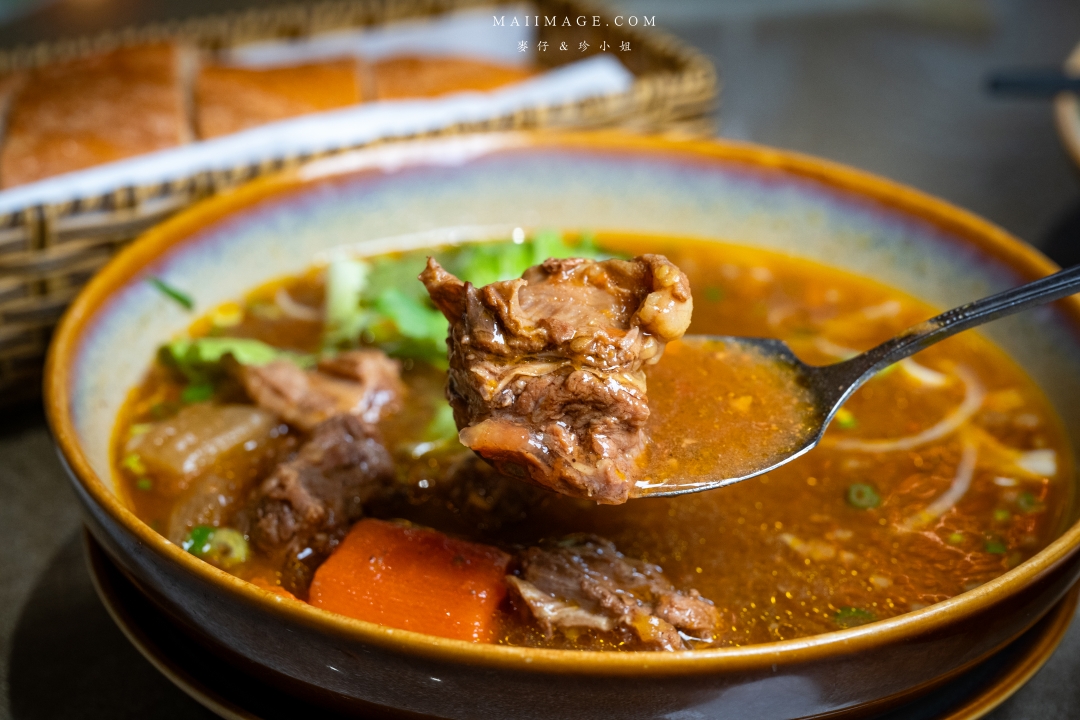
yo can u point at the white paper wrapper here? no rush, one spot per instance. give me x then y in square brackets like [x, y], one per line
[467, 33]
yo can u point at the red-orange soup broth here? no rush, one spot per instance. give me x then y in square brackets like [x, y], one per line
[850, 533]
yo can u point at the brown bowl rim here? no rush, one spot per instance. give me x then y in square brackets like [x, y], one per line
[985, 236]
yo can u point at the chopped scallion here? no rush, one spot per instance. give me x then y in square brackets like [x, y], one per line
[223, 547]
[996, 546]
[198, 540]
[863, 496]
[139, 429]
[1028, 503]
[134, 463]
[179, 296]
[849, 617]
[845, 419]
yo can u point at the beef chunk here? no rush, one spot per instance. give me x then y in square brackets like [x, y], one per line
[301, 512]
[546, 376]
[583, 582]
[365, 383]
[459, 493]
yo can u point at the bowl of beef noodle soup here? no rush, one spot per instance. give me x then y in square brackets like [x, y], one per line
[268, 435]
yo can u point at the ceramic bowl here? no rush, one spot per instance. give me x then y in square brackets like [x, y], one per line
[409, 195]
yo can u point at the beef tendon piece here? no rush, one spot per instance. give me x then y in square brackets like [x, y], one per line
[583, 582]
[546, 371]
[365, 383]
[301, 512]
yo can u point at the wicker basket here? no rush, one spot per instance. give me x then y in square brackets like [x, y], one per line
[47, 252]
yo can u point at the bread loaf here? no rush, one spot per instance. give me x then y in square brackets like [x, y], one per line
[73, 115]
[230, 99]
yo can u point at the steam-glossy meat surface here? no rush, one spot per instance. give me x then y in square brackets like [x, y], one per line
[546, 375]
[365, 383]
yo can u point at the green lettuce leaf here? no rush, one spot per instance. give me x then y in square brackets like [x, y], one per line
[199, 360]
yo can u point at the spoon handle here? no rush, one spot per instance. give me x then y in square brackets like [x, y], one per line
[1052, 287]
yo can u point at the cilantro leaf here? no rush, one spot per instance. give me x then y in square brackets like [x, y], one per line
[384, 302]
[422, 328]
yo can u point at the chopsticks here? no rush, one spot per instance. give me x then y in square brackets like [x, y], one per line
[1032, 82]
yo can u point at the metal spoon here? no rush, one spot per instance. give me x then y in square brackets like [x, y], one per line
[830, 386]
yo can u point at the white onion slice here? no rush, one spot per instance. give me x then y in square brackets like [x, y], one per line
[1038, 462]
[974, 395]
[295, 310]
[1010, 462]
[887, 309]
[922, 374]
[957, 489]
[837, 351]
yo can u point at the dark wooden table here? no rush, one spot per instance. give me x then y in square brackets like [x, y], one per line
[893, 87]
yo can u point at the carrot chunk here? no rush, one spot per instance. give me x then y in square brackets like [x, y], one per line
[413, 578]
